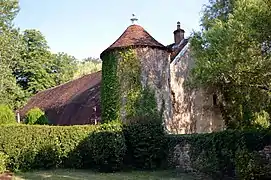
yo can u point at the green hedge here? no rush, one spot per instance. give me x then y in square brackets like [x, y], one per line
[3, 162]
[34, 147]
[146, 144]
[215, 153]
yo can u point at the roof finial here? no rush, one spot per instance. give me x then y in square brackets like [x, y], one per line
[178, 25]
[134, 19]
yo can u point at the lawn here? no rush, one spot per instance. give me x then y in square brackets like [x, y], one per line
[80, 175]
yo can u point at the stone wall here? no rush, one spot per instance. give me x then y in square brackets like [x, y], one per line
[155, 74]
[194, 110]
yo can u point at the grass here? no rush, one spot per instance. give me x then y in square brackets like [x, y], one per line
[81, 175]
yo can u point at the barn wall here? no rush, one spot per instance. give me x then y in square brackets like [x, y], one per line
[193, 109]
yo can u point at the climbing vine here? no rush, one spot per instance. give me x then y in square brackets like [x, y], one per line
[123, 96]
[110, 88]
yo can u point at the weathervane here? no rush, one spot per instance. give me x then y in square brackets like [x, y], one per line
[134, 19]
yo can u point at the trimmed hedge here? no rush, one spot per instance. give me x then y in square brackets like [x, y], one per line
[215, 153]
[146, 144]
[3, 162]
[37, 147]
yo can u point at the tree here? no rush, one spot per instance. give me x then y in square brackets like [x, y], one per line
[8, 11]
[10, 47]
[34, 71]
[233, 57]
[64, 67]
[87, 66]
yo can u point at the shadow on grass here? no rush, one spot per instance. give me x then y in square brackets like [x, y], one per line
[71, 174]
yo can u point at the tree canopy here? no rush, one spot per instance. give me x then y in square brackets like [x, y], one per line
[232, 54]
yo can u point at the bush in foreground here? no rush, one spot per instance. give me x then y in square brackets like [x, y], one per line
[36, 116]
[6, 115]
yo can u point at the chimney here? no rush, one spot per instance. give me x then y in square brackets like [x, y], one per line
[178, 34]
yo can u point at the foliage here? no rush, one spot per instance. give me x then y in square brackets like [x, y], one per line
[123, 96]
[146, 143]
[3, 162]
[262, 119]
[108, 156]
[7, 116]
[34, 147]
[9, 9]
[36, 116]
[26, 64]
[217, 153]
[216, 9]
[10, 46]
[250, 165]
[64, 67]
[232, 55]
[39, 69]
[87, 66]
[110, 93]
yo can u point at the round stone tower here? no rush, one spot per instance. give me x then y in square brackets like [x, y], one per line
[135, 77]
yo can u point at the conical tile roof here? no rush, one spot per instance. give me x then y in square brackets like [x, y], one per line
[135, 36]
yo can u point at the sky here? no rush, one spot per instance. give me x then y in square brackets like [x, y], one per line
[84, 28]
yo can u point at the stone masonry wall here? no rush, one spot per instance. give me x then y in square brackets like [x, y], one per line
[193, 109]
[155, 73]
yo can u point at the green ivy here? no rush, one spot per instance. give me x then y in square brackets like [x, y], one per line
[122, 78]
[110, 88]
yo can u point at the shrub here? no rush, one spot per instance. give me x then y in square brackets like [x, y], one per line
[146, 144]
[36, 116]
[215, 153]
[109, 147]
[261, 119]
[34, 147]
[3, 162]
[247, 166]
[6, 115]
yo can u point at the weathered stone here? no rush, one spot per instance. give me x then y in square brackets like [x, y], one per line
[181, 158]
[193, 109]
[155, 74]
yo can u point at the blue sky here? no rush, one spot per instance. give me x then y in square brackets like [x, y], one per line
[84, 28]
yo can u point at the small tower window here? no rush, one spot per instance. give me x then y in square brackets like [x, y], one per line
[214, 99]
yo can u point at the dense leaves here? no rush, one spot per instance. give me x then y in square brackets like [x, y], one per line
[3, 162]
[221, 154]
[87, 66]
[146, 144]
[34, 147]
[36, 116]
[7, 116]
[232, 56]
[110, 95]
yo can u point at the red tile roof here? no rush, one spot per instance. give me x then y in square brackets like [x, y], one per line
[177, 50]
[135, 35]
[75, 102]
